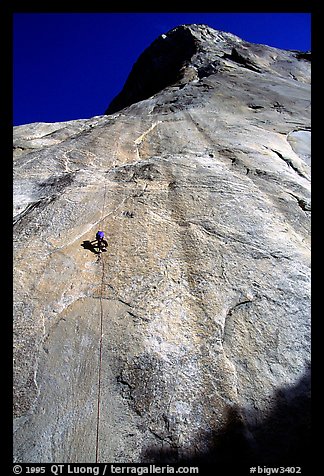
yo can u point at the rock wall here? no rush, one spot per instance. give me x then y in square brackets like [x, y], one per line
[189, 338]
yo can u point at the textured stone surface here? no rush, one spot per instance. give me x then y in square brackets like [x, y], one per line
[190, 337]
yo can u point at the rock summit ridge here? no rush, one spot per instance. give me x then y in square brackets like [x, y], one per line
[191, 52]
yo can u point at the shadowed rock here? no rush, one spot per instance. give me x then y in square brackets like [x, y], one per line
[158, 67]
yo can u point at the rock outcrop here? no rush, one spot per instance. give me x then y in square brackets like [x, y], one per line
[189, 338]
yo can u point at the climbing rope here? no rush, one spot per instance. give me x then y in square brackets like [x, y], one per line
[100, 362]
[101, 335]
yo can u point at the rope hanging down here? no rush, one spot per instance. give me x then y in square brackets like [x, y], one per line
[101, 335]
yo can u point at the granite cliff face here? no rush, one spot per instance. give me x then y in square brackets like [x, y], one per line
[189, 339]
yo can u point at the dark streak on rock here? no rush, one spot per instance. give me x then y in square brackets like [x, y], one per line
[304, 205]
[239, 304]
[241, 60]
[39, 204]
[289, 163]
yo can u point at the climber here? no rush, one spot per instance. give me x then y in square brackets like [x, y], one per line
[100, 239]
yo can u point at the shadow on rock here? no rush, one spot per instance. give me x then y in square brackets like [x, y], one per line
[93, 246]
[282, 439]
[88, 245]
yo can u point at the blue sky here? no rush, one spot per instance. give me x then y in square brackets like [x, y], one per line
[71, 65]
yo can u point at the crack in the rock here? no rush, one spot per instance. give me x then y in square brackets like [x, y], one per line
[119, 299]
[230, 313]
[290, 163]
[167, 439]
[303, 204]
[127, 388]
[239, 304]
